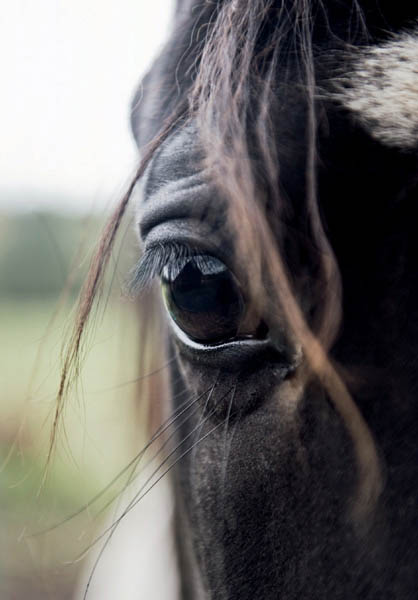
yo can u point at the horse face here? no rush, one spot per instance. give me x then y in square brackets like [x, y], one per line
[267, 467]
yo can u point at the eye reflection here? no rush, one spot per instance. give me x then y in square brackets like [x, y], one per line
[204, 299]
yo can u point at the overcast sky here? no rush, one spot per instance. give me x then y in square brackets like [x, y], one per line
[68, 71]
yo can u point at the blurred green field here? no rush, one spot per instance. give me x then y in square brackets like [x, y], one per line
[102, 420]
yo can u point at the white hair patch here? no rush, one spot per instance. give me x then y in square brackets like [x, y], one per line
[380, 88]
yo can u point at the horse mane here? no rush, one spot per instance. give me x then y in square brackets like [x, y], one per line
[228, 72]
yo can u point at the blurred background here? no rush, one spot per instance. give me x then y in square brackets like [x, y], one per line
[69, 70]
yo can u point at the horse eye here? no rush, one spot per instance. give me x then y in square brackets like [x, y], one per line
[204, 299]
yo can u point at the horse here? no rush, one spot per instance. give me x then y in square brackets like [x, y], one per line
[279, 154]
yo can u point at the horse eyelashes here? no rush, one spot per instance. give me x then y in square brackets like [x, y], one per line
[168, 257]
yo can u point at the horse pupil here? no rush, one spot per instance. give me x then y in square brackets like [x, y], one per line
[205, 301]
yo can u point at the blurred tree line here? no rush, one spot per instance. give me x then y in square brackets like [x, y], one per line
[38, 251]
[41, 252]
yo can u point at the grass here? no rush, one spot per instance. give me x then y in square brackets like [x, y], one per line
[102, 433]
